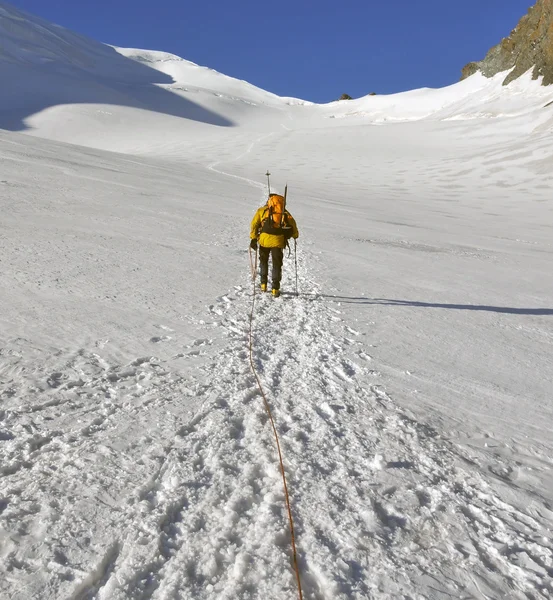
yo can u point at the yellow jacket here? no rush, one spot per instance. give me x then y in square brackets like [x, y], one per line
[268, 240]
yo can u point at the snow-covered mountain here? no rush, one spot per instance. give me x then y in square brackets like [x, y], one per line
[410, 379]
[55, 76]
[140, 100]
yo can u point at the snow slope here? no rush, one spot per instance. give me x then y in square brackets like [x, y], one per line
[112, 98]
[475, 97]
[410, 379]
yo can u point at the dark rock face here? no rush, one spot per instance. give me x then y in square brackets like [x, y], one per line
[470, 69]
[530, 45]
[345, 97]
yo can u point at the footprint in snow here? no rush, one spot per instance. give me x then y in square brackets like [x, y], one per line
[156, 339]
[54, 380]
[141, 361]
[201, 342]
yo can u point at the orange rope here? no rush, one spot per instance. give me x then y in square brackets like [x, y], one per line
[268, 409]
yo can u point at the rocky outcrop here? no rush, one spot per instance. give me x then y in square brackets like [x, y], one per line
[530, 46]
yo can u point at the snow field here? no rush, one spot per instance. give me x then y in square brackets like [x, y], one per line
[381, 501]
[410, 380]
[156, 476]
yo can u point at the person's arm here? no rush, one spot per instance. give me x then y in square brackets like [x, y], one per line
[256, 222]
[295, 232]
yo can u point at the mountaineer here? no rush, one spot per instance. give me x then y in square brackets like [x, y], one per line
[272, 226]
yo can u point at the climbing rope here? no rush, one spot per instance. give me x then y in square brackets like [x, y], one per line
[268, 409]
[296, 262]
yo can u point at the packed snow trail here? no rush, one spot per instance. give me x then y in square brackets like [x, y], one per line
[272, 422]
[383, 504]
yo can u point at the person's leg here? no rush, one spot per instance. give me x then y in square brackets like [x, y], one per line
[277, 255]
[264, 264]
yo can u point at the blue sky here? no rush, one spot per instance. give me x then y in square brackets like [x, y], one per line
[315, 50]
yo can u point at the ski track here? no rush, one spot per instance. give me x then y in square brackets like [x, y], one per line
[250, 182]
[196, 510]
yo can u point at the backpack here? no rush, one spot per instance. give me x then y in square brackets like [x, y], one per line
[275, 217]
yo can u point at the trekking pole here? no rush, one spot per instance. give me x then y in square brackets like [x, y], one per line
[253, 265]
[268, 175]
[296, 262]
[255, 268]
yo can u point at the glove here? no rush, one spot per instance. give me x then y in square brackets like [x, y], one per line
[253, 244]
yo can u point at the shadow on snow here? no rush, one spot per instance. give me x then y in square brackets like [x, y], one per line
[42, 66]
[415, 304]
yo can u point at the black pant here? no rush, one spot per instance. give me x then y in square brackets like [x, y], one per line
[277, 255]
